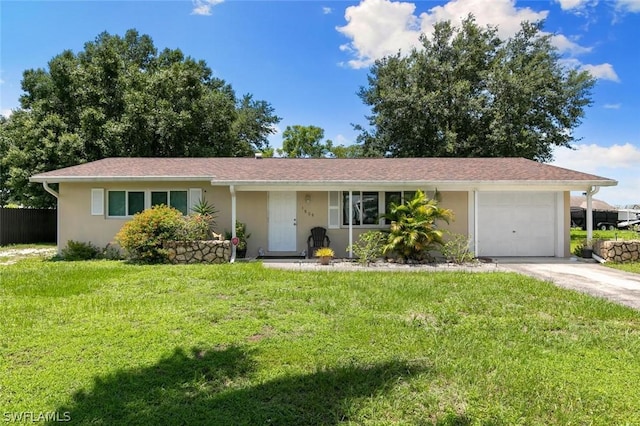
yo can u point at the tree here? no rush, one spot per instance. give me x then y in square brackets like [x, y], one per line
[348, 151]
[255, 121]
[304, 142]
[120, 97]
[467, 93]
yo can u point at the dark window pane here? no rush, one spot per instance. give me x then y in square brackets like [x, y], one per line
[370, 208]
[116, 203]
[178, 200]
[391, 197]
[158, 198]
[136, 202]
[356, 208]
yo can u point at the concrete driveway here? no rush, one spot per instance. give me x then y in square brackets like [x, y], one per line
[581, 275]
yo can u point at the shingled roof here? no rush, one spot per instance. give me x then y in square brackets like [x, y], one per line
[250, 171]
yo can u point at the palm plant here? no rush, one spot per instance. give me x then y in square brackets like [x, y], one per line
[207, 211]
[413, 232]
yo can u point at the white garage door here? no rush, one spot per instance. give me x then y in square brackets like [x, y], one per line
[516, 223]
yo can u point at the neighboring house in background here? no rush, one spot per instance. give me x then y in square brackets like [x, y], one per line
[605, 216]
[507, 206]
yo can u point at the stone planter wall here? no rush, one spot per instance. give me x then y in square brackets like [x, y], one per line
[618, 251]
[211, 251]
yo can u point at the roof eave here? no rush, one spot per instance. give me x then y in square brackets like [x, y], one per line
[560, 185]
[81, 179]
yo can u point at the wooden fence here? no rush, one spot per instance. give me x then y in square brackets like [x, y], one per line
[25, 226]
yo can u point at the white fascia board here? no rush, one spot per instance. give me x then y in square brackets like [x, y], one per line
[80, 179]
[395, 185]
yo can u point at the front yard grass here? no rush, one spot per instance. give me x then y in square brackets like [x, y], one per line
[578, 235]
[113, 343]
[627, 267]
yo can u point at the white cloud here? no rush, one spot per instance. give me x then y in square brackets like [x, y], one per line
[203, 7]
[603, 71]
[571, 4]
[6, 113]
[341, 140]
[619, 162]
[628, 5]
[590, 158]
[326, 10]
[612, 106]
[502, 13]
[566, 45]
[379, 28]
[579, 7]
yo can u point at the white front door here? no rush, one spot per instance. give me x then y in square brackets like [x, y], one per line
[282, 221]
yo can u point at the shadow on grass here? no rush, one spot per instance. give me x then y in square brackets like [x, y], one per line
[215, 387]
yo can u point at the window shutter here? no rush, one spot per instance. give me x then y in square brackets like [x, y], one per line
[334, 210]
[195, 195]
[97, 201]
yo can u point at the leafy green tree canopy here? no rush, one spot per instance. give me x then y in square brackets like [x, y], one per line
[119, 96]
[467, 93]
[304, 142]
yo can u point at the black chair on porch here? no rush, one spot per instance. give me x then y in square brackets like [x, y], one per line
[316, 240]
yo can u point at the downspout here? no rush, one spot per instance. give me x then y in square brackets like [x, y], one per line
[47, 188]
[232, 189]
[590, 192]
[350, 224]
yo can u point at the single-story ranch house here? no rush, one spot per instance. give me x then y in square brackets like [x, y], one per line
[507, 206]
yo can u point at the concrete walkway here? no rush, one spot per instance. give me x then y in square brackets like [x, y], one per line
[577, 274]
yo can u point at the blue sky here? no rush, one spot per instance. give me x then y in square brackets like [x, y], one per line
[309, 58]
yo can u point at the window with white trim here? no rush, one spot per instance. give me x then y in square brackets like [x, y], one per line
[396, 197]
[367, 207]
[175, 199]
[126, 203]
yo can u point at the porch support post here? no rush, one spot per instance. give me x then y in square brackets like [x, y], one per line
[590, 193]
[475, 221]
[232, 189]
[350, 224]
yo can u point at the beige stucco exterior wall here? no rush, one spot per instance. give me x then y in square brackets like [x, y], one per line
[77, 223]
[456, 201]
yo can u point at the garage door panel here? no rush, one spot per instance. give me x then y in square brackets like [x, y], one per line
[516, 223]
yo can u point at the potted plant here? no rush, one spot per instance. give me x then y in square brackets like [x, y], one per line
[584, 249]
[324, 254]
[243, 236]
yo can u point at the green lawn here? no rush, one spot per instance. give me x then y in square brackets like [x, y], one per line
[578, 235]
[627, 267]
[111, 343]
